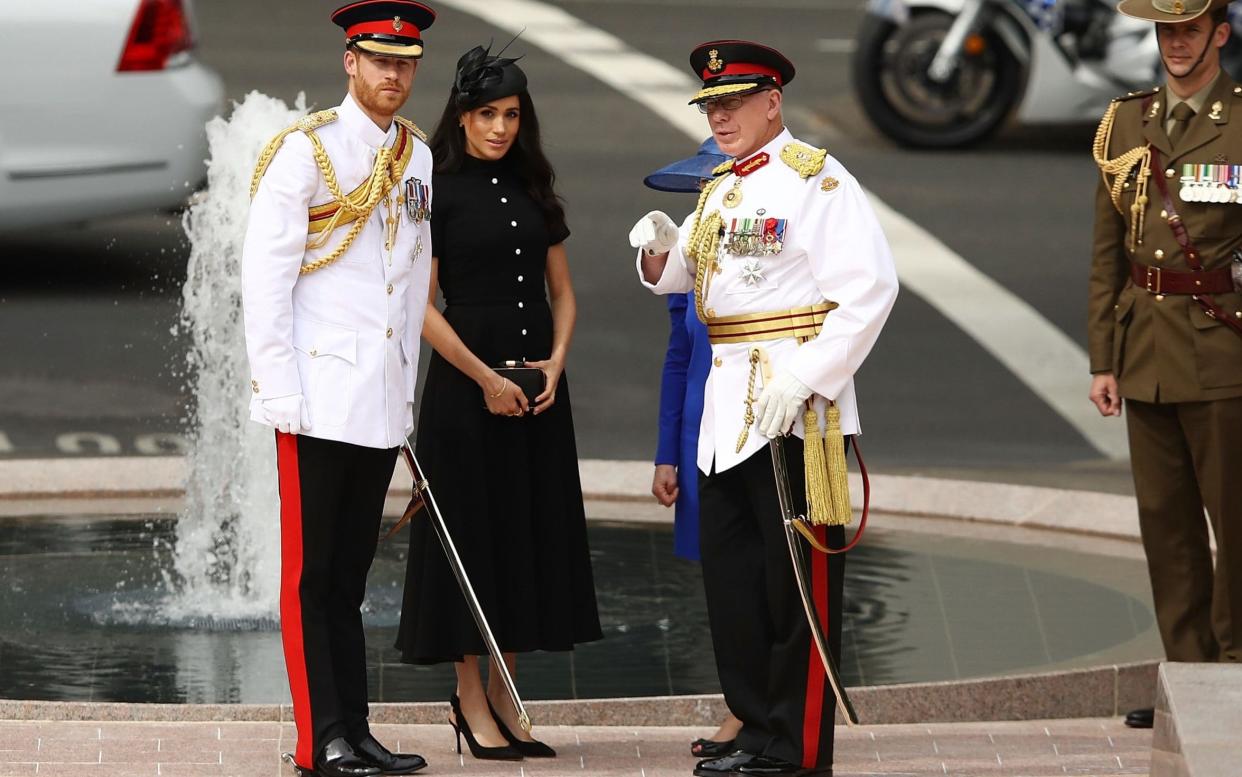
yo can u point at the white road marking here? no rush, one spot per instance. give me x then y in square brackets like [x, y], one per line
[1010, 329]
[87, 442]
[836, 45]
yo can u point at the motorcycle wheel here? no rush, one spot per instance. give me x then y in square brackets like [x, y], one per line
[890, 78]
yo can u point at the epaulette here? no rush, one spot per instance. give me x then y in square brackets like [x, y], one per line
[805, 160]
[722, 168]
[314, 121]
[412, 127]
[1140, 93]
[308, 123]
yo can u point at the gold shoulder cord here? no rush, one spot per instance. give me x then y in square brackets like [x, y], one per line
[307, 123]
[1120, 167]
[705, 242]
[360, 204]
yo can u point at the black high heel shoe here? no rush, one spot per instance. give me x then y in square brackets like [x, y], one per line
[462, 728]
[531, 749]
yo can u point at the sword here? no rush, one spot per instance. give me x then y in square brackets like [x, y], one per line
[790, 521]
[423, 497]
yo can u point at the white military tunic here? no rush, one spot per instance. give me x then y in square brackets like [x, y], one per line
[345, 336]
[833, 249]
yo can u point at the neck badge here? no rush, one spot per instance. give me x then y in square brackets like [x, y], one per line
[733, 197]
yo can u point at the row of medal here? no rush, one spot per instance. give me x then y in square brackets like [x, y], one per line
[417, 200]
[1211, 183]
[755, 237]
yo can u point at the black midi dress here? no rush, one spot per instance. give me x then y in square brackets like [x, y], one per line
[508, 487]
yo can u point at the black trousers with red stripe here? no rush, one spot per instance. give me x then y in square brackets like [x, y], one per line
[331, 501]
[770, 671]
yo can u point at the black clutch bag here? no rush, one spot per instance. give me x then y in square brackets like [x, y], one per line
[531, 380]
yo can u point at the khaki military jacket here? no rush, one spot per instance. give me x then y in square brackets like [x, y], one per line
[1164, 348]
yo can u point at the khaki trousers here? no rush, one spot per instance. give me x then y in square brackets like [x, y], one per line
[1186, 457]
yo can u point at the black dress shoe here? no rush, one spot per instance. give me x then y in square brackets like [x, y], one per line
[1143, 717]
[370, 750]
[338, 759]
[767, 766]
[726, 764]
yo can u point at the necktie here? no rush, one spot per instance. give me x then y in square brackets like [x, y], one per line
[1182, 114]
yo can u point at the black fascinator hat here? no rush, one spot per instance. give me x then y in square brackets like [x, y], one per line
[482, 78]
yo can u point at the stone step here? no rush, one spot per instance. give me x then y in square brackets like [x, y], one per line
[1198, 727]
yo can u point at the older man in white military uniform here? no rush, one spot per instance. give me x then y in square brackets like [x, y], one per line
[335, 272]
[795, 280]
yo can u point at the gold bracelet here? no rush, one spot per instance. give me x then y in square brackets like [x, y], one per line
[504, 385]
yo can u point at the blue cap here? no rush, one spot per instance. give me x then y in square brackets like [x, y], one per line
[687, 175]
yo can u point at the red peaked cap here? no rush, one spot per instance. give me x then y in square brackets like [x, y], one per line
[391, 28]
[738, 67]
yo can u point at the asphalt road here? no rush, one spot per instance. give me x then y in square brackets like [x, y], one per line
[92, 361]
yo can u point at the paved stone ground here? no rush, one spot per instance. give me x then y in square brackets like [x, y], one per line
[1030, 749]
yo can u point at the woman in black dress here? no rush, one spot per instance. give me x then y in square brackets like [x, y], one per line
[504, 465]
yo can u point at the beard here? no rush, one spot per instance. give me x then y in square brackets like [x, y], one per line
[374, 98]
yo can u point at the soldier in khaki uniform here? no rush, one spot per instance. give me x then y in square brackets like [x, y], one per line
[1165, 323]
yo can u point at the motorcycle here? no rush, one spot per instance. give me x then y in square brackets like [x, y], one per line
[949, 73]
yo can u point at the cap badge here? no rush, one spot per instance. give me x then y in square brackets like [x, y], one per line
[397, 24]
[1217, 107]
[829, 184]
[1178, 7]
[714, 62]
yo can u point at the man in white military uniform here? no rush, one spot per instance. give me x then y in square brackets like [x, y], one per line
[335, 272]
[795, 280]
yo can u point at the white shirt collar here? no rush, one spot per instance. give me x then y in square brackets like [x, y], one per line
[362, 126]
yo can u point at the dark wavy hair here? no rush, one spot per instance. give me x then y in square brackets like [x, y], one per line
[448, 151]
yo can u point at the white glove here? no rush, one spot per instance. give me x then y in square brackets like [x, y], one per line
[779, 405]
[288, 414]
[655, 233]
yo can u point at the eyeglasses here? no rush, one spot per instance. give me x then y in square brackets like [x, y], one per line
[730, 103]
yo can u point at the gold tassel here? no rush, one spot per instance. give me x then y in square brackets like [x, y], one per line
[818, 486]
[838, 480]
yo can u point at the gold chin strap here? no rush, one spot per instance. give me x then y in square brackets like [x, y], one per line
[1121, 167]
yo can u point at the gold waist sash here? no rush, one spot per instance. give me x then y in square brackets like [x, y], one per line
[802, 323]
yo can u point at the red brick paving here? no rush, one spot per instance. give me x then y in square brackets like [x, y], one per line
[1008, 749]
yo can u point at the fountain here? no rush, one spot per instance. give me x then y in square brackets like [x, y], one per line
[227, 547]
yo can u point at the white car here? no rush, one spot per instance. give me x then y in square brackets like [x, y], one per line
[102, 109]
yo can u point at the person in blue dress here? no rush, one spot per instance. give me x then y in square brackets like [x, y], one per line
[686, 365]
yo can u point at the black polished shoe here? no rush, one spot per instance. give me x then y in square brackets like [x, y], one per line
[1143, 717]
[710, 748]
[767, 766]
[532, 749]
[726, 764]
[370, 750]
[338, 759]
